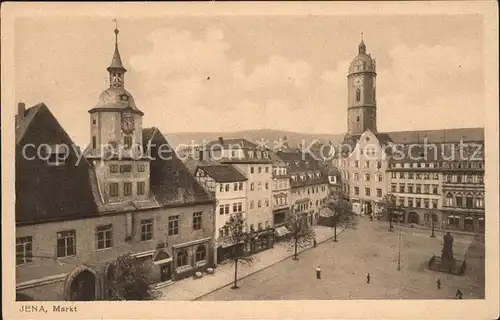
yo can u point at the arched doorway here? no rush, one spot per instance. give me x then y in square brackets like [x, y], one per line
[413, 217]
[82, 284]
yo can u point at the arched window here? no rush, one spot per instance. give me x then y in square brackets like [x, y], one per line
[449, 200]
[357, 119]
[181, 258]
[227, 187]
[201, 253]
[479, 202]
[469, 201]
[259, 204]
[358, 95]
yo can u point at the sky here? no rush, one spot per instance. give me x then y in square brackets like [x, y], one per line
[227, 73]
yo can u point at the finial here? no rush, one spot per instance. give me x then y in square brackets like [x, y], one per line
[361, 36]
[116, 29]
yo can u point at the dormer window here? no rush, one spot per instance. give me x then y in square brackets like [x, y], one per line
[55, 155]
[250, 154]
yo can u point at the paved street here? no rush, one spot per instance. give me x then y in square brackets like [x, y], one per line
[368, 248]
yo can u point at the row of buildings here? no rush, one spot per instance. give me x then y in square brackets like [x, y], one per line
[442, 170]
[128, 192]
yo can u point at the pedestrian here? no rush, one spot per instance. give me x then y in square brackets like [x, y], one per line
[318, 273]
[371, 217]
[438, 283]
[368, 277]
[314, 242]
[459, 294]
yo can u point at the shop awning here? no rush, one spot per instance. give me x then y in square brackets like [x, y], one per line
[452, 216]
[281, 231]
[469, 218]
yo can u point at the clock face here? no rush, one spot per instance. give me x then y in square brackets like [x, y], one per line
[358, 81]
[128, 124]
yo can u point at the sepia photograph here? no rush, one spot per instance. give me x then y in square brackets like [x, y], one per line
[191, 152]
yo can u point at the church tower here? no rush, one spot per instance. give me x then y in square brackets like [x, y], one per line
[361, 102]
[116, 146]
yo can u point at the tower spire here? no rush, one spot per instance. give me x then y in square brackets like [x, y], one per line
[362, 46]
[116, 69]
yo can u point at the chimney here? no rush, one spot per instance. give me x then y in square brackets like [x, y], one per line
[221, 140]
[21, 109]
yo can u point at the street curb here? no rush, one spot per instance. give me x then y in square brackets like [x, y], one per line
[272, 264]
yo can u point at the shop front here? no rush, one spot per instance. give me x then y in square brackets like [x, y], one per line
[261, 240]
[280, 216]
[190, 257]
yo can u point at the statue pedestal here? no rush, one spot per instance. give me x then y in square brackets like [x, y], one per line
[456, 267]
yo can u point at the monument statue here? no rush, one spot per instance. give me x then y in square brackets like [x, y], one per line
[447, 253]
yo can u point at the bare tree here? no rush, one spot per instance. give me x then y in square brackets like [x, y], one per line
[302, 234]
[238, 240]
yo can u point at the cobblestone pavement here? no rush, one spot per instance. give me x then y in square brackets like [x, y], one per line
[368, 248]
[189, 289]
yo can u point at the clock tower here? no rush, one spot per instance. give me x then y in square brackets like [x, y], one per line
[361, 102]
[116, 148]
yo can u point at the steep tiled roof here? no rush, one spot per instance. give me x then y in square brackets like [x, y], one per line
[438, 152]
[29, 115]
[45, 192]
[298, 161]
[438, 136]
[223, 173]
[171, 182]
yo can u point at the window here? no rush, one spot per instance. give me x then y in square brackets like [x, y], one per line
[367, 177]
[113, 168]
[379, 177]
[250, 155]
[251, 186]
[259, 226]
[453, 220]
[127, 188]
[401, 202]
[24, 250]
[200, 254]
[358, 97]
[410, 175]
[259, 170]
[251, 204]
[126, 168]
[235, 207]
[226, 209]
[267, 169]
[426, 203]
[449, 200]
[410, 188]
[240, 207]
[434, 189]
[113, 189]
[127, 141]
[267, 186]
[259, 186]
[173, 225]
[104, 236]
[146, 229]
[197, 219]
[401, 188]
[379, 193]
[141, 168]
[426, 175]
[356, 164]
[459, 201]
[401, 175]
[267, 203]
[221, 188]
[419, 188]
[259, 204]
[227, 187]
[434, 203]
[141, 188]
[393, 175]
[66, 243]
[251, 168]
[426, 188]
[418, 202]
[356, 191]
[469, 201]
[367, 164]
[356, 176]
[393, 187]
[240, 186]
[479, 202]
[94, 142]
[379, 164]
[367, 191]
[410, 202]
[221, 210]
[182, 258]
[469, 179]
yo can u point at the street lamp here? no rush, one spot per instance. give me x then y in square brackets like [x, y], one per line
[335, 227]
[432, 224]
[399, 248]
